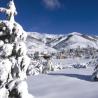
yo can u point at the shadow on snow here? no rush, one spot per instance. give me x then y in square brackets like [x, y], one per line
[78, 76]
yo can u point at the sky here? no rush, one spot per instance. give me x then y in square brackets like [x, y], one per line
[57, 16]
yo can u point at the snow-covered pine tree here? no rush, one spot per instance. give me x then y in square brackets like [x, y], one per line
[13, 59]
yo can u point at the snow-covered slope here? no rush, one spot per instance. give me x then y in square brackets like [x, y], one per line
[36, 43]
[42, 41]
[75, 40]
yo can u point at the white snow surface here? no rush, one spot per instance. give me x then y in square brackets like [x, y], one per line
[67, 83]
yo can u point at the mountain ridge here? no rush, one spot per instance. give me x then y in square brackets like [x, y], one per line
[59, 42]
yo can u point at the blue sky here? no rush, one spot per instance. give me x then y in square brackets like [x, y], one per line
[57, 16]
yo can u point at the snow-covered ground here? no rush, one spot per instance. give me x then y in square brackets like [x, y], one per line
[67, 83]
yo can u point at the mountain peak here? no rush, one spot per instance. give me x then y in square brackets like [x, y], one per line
[75, 33]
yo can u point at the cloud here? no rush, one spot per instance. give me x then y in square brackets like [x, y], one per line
[52, 4]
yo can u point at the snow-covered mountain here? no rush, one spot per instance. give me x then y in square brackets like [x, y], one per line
[75, 40]
[50, 42]
[36, 42]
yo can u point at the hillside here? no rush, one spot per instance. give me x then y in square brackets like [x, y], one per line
[51, 42]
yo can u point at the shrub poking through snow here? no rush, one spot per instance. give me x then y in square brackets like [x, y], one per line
[13, 59]
[95, 74]
[79, 66]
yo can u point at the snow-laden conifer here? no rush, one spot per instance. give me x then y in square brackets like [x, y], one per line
[13, 59]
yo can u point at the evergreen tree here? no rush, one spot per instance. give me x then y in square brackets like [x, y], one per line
[13, 59]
